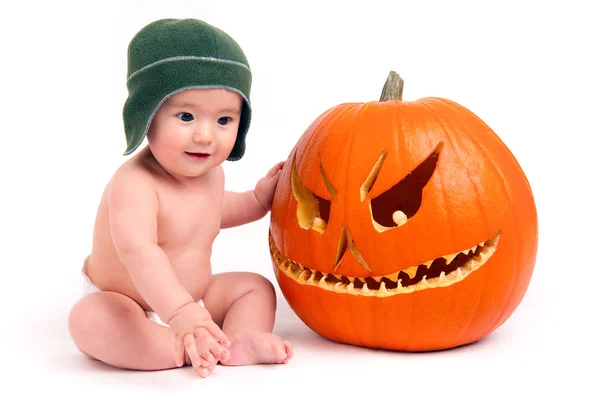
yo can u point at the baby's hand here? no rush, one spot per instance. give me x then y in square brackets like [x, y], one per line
[265, 187]
[196, 334]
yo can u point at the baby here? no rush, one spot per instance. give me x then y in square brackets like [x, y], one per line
[151, 300]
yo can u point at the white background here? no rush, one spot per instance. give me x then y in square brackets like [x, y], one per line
[529, 69]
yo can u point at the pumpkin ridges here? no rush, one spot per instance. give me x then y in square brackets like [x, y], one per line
[492, 325]
[466, 330]
[355, 332]
[448, 142]
[404, 118]
[377, 116]
[366, 313]
[291, 222]
[331, 232]
[307, 301]
[525, 261]
[344, 152]
[347, 197]
[515, 283]
[407, 128]
[453, 145]
[441, 188]
[457, 336]
[330, 314]
[318, 127]
[469, 130]
[519, 290]
[410, 335]
[449, 312]
[419, 118]
[520, 190]
[510, 308]
[287, 287]
[409, 153]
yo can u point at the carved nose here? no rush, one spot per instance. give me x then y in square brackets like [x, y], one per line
[347, 243]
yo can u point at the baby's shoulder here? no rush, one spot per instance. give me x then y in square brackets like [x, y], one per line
[135, 169]
[132, 178]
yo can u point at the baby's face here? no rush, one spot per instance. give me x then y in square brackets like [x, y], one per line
[195, 130]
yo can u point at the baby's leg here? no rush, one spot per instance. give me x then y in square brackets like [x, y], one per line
[243, 305]
[114, 329]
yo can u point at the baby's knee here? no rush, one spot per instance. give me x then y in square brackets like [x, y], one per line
[266, 285]
[259, 283]
[79, 316]
[84, 316]
[96, 312]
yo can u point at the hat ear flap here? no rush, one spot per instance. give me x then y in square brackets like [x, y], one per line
[240, 143]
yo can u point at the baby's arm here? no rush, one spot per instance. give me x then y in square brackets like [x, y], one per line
[133, 214]
[245, 207]
[241, 208]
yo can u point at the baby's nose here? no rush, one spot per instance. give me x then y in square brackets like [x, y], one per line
[203, 135]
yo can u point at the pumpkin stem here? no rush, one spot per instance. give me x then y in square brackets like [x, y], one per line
[392, 89]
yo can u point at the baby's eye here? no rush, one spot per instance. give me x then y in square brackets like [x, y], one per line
[185, 116]
[224, 120]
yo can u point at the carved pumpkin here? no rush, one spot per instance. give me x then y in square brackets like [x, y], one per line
[402, 225]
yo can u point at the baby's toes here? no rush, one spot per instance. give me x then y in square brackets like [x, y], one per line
[289, 351]
[280, 352]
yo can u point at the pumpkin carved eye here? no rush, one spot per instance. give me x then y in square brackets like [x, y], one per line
[313, 210]
[400, 203]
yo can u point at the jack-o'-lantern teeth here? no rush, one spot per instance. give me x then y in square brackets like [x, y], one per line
[440, 272]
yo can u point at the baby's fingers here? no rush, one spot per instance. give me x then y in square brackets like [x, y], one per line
[179, 351]
[207, 359]
[218, 334]
[275, 169]
[221, 353]
[217, 350]
[190, 346]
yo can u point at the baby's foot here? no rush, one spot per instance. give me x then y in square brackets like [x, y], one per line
[255, 347]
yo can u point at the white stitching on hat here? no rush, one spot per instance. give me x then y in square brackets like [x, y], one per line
[188, 57]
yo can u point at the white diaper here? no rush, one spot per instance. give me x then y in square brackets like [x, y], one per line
[90, 288]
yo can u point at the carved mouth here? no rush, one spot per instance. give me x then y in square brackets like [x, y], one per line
[440, 272]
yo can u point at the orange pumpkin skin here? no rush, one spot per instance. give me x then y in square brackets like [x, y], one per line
[476, 191]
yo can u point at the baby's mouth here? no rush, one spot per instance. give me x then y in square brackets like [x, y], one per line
[197, 155]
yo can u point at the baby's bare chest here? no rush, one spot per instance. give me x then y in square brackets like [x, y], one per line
[189, 219]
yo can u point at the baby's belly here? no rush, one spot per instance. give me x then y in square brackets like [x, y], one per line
[108, 273]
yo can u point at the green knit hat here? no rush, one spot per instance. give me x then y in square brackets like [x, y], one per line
[171, 55]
